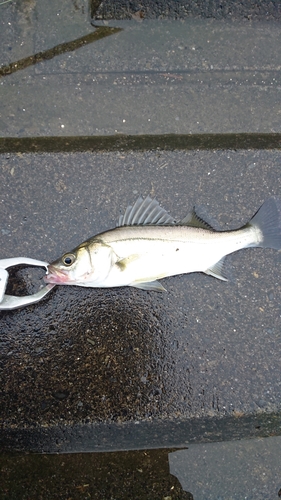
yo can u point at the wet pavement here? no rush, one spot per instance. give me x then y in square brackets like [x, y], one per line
[124, 475]
[123, 369]
[152, 77]
[249, 468]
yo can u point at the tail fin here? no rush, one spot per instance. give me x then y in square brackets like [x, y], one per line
[268, 220]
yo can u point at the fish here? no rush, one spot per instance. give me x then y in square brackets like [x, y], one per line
[148, 244]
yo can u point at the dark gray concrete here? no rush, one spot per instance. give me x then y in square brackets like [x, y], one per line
[182, 9]
[133, 474]
[153, 77]
[138, 365]
[239, 469]
[124, 369]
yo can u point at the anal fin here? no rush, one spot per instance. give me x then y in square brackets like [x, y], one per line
[149, 285]
[217, 270]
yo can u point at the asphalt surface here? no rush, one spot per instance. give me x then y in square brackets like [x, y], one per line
[250, 469]
[116, 370]
[206, 349]
[153, 77]
[183, 9]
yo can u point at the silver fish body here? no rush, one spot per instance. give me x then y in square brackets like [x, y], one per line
[149, 246]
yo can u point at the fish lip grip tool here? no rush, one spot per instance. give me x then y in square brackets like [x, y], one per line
[8, 302]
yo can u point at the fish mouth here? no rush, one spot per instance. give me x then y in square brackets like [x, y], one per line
[55, 276]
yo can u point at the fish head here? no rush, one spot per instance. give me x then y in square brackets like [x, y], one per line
[86, 265]
[69, 269]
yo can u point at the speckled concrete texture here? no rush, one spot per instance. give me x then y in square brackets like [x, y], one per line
[152, 77]
[250, 469]
[90, 370]
[181, 9]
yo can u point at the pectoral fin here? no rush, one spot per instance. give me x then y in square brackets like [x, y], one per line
[123, 263]
[217, 270]
[150, 285]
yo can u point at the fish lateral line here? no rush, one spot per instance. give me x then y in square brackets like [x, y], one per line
[148, 244]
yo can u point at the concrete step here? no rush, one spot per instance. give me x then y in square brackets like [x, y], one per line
[152, 77]
[188, 112]
[112, 369]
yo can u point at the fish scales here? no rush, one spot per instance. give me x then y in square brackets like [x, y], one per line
[165, 251]
[149, 245]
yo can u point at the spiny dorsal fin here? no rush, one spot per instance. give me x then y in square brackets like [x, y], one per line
[193, 220]
[145, 212]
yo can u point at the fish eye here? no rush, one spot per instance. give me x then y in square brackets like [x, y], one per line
[68, 259]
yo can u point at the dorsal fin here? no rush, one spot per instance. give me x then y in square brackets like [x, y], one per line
[145, 212]
[193, 220]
